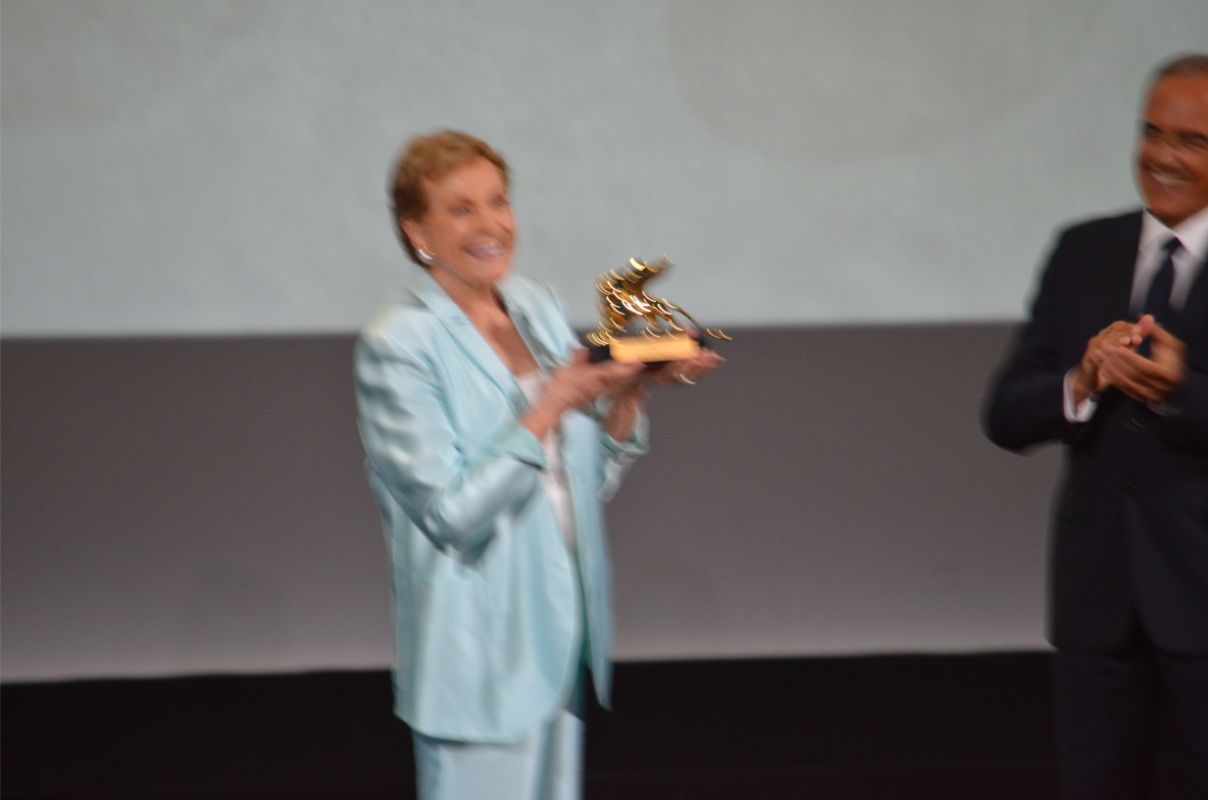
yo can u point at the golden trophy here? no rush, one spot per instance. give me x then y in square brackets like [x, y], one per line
[635, 327]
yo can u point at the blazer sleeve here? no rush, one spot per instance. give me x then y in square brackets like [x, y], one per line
[615, 457]
[414, 451]
[618, 456]
[1025, 405]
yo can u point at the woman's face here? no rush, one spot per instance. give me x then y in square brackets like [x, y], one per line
[468, 227]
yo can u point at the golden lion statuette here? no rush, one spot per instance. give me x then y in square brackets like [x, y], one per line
[625, 305]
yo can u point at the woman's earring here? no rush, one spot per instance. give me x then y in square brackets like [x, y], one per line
[424, 255]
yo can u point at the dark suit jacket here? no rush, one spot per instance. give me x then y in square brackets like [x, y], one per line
[1130, 521]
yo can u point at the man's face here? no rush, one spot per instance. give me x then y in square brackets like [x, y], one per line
[1172, 152]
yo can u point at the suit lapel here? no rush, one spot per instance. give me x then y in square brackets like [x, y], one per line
[1120, 263]
[544, 351]
[466, 336]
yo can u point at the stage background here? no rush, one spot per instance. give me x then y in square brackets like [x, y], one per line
[194, 225]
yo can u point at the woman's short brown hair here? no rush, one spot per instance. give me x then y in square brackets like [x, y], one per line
[432, 157]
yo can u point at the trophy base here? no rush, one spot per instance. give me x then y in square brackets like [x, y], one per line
[645, 349]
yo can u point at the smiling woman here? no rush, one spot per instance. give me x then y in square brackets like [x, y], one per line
[468, 227]
[491, 442]
[427, 162]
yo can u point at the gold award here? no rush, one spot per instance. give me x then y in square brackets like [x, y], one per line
[635, 327]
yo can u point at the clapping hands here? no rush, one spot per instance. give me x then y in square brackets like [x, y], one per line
[1112, 359]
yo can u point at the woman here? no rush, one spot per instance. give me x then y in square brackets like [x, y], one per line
[491, 442]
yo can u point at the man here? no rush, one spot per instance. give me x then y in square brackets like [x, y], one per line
[1114, 363]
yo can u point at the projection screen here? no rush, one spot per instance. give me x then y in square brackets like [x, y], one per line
[195, 225]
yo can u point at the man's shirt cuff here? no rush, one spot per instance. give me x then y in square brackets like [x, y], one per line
[1082, 411]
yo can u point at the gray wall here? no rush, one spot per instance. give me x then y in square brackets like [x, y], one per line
[197, 505]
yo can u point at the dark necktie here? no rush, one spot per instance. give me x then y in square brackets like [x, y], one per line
[1157, 299]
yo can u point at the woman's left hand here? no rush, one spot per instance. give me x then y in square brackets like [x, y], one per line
[629, 397]
[686, 371]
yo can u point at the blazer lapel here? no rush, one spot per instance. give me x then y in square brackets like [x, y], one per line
[545, 352]
[1119, 263]
[467, 336]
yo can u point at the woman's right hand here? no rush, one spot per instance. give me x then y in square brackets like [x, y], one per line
[575, 385]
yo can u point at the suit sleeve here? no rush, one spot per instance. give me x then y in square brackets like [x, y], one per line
[618, 456]
[1025, 405]
[413, 449]
[1185, 424]
[615, 457]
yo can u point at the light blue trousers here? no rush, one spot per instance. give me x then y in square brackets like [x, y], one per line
[545, 765]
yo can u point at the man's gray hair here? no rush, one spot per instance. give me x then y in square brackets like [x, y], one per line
[1187, 65]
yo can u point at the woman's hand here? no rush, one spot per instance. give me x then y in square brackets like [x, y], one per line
[687, 371]
[628, 402]
[575, 385]
[579, 383]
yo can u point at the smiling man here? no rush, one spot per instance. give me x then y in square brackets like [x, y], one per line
[1114, 364]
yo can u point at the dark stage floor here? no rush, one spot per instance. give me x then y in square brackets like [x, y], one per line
[931, 727]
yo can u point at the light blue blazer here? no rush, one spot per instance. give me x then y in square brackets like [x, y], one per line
[489, 603]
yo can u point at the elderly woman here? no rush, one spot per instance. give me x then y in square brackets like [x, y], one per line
[491, 443]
